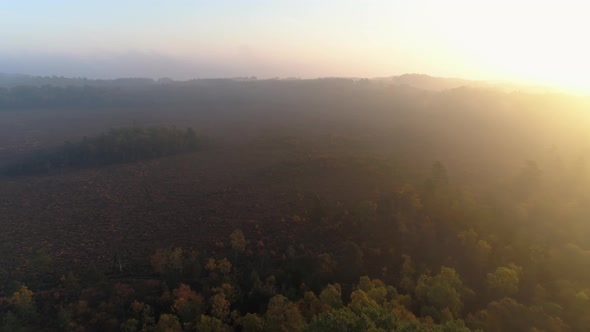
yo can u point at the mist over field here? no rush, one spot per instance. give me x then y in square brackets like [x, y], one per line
[294, 166]
[439, 203]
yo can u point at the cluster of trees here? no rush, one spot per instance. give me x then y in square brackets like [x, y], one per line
[422, 257]
[208, 295]
[121, 145]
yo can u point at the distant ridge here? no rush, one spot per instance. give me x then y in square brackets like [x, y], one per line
[414, 80]
[432, 83]
[420, 81]
[427, 82]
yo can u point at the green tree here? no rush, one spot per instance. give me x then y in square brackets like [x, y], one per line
[503, 315]
[130, 325]
[282, 316]
[445, 290]
[373, 316]
[365, 215]
[252, 323]
[238, 243]
[209, 324]
[439, 179]
[188, 305]
[23, 304]
[220, 306]
[342, 319]
[168, 323]
[350, 262]
[527, 181]
[327, 266]
[504, 281]
[144, 314]
[331, 296]
[407, 274]
[11, 323]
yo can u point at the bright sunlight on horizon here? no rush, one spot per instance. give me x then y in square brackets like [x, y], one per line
[532, 42]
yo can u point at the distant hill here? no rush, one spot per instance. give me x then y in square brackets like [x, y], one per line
[426, 82]
[12, 80]
[431, 83]
[418, 81]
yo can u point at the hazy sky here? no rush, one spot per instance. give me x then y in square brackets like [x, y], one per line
[535, 40]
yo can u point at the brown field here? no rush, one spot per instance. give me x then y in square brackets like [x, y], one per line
[249, 175]
[260, 164]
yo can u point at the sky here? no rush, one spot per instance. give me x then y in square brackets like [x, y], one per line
[533, 41]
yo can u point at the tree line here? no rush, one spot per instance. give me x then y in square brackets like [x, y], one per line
[120, 145]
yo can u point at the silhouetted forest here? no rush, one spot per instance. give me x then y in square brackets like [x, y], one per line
[121, 145]
[317, 205]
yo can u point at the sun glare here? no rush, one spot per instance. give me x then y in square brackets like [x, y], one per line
[534, 42]
[546, 46]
